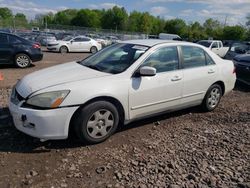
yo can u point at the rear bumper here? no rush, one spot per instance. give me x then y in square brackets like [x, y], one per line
[36, 57]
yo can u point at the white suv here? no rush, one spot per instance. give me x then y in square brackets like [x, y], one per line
[75, 44]
[124, 82]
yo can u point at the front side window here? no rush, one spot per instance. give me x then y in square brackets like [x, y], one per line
[215, 45]
[163, 59]
[193, 57]
[116, 58]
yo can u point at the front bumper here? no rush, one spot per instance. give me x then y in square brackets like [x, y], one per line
[44, 124]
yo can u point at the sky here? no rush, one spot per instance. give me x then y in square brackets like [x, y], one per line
[231, 12]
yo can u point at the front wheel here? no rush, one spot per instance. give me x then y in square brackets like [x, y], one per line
[96, 122]
[93, 49]
[22, 60]
[63, 49]
[212, 98]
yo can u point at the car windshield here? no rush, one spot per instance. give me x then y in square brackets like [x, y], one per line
[116, 58]
[205, 43]
[68, 38]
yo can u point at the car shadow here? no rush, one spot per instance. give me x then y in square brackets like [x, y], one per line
[12, 140]
[239, 86]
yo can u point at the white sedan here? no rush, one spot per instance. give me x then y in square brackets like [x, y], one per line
[75, 44]
[127, 81]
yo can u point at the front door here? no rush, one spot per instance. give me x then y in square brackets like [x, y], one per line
[149, 95]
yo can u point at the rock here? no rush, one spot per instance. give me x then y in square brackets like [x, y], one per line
[191, 177]
[118, 175]
[244, 185]
[78, 175]
[64, 185]
[174, 186]
[109, 186]
[101, 170]
[134, 163]
[157, 123]
[33, 173]
[72, 167]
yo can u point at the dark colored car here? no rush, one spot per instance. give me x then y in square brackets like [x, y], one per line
[17, 50]
[242, 64]
[236, 48]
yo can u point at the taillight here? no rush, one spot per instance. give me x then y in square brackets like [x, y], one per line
[234, 70]
[36, 46]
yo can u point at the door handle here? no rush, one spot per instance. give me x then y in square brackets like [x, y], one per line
[210, 71]
[176, 78]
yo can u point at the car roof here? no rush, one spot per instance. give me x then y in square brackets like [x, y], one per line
[153, 42]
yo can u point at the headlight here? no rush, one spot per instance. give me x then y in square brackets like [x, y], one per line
[48, 100]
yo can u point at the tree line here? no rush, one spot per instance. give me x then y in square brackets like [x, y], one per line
[117, 18]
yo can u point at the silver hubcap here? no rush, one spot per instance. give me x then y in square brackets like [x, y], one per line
[214, 98]
[22, 60]
[93, 50]
[63, 49]
[100, 123]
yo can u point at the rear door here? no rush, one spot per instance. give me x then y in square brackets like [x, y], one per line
[6, 49]
[199, 73]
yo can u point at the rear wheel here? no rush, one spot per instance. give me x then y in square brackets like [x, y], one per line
[22, 60]
[63, 49]
[212, 98]
[96, 122]
[93, 49]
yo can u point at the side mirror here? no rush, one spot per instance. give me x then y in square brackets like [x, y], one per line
[147, 71]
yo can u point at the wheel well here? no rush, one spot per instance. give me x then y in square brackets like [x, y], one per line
[222, 85]
[26, 53]
[64, 46]
[112, 100]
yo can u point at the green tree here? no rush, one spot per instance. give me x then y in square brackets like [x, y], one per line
[65, 17]
[233, 33]
[175, 26]
[213, 28]
[195, 32]
[5, 13]
[134, 21]
[86, 18]
[115, 18]
[21, 20]
[146, 24]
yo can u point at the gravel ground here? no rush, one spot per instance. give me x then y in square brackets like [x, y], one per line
[186, 149]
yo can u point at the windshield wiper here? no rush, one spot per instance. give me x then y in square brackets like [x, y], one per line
[93, 67]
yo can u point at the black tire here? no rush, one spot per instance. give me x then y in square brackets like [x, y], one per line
[93, 124]
[64, 49]
[22, 60]
[93, 49]
[212, 98]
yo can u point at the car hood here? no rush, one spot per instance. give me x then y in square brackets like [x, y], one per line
[56, 75]
[243, 58]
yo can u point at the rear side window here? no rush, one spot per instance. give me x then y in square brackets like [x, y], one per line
[3, 39]
[14, 40]
[193, 57]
